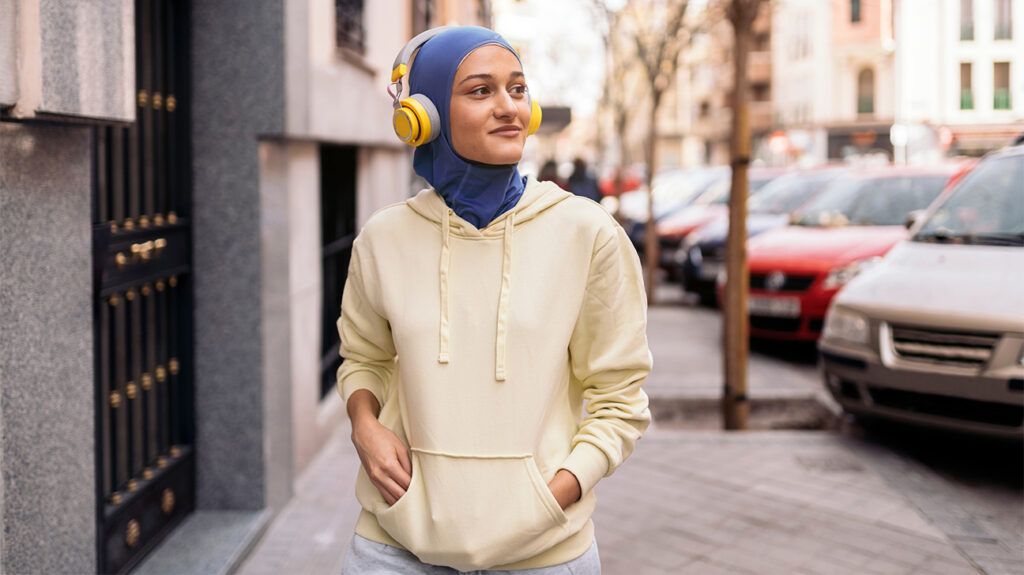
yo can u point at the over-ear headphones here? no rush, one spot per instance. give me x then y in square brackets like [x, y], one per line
[415, 119]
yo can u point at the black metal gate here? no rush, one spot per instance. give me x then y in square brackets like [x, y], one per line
[145, 463]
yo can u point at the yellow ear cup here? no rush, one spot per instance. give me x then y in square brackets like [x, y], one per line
[535, 117]
[412, 123]
[405, 125]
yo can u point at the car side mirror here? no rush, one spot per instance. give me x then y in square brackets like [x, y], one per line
[912, 218]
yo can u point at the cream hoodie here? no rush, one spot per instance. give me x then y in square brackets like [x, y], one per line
[480, 346]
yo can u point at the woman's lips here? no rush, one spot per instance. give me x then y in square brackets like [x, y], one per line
[509, 132]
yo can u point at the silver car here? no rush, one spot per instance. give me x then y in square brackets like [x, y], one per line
[934, 333]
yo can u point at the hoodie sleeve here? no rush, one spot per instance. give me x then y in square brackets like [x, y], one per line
[610, 357]
[366, 341]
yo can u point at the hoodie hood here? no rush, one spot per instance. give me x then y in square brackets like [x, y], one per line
[536, 198]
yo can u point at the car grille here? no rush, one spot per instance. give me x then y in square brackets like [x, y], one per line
[960, 349]
[791, 283]
[784, 324]
[951, 407]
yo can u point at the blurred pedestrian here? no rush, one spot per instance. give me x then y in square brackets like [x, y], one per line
[549, 173]
[582, 182]
[511, 301]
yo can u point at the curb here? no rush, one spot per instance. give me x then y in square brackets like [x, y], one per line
[798, 410]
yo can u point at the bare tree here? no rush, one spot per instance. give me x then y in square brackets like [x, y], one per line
[735, 407]
[616, 97]
[657, 30]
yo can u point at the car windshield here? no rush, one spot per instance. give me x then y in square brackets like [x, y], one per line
[986, 208]
[718, 193]
[786, 193]
[683, 189]
[871, 201]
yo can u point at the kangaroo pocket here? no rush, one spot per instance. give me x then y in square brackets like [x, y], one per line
[474, 512]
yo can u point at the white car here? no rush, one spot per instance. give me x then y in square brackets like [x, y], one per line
[934, 333]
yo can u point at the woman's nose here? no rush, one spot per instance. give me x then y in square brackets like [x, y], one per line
[504, 106]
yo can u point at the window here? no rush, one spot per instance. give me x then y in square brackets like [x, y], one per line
[349, 31]
[855, 11]
[338, 230]
[866, 91]
[966, 19]
[966, 95]
[1001, 77]
[423, 13]
[1004, 20]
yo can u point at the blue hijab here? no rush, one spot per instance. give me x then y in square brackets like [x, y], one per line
[477, 192]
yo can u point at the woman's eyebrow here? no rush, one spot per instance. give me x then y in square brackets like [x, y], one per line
[489, 77]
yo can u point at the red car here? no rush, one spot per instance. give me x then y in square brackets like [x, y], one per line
[795, 271]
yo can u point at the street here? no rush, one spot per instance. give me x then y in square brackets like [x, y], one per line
[694, 499]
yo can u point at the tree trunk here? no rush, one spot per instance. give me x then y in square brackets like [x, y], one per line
[651, 235]
[735, 407]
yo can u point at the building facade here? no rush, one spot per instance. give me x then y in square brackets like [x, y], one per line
[909, 81]
[180, 184]
[697, 113]
[960, 78]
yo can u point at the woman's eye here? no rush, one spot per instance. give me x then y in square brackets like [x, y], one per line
[519, 89]
[480, 91]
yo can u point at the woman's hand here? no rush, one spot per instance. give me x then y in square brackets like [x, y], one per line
[565, 487]
[384, 456]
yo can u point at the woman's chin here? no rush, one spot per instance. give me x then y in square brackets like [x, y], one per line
[502, 155]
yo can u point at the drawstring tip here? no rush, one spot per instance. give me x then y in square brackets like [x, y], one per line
[500, 376]
[442, 358]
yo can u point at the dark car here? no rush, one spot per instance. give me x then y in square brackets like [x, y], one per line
[702, 255]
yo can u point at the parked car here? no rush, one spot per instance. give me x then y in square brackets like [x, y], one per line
[701, 256]
[713, 203]
[795, 271]
[673, 191]
[934, 334]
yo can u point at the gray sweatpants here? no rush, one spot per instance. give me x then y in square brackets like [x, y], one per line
[367, 557]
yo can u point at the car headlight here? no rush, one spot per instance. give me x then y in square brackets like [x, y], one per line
[696, 258]
[842, 275]
[845, 325]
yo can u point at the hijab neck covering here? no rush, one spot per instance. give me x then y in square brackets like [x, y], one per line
[477, 192]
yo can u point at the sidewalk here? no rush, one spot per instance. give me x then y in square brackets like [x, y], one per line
[685, 502]
[686, 344]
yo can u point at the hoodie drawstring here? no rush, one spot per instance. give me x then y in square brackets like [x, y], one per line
[501, 339]
[501, 347]
[446, 256]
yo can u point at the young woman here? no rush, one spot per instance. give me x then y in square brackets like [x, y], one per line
[477, 317]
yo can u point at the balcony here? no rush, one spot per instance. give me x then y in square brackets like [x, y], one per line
[1001, 100]
[966, 100]
[967, 31]
[759, 67]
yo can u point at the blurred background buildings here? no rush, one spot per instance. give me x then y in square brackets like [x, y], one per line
[181, 182]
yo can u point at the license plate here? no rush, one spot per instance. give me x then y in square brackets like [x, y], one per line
[709, 270]
[774, 306]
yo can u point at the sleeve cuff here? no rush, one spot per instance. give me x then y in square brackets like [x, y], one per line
[588, 463]
[362, 380]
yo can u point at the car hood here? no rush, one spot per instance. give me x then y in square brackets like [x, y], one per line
[814, 249]
[715, 232]
[688, 219]
[943, 285]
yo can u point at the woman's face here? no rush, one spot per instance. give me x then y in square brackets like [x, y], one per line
[489, 110]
